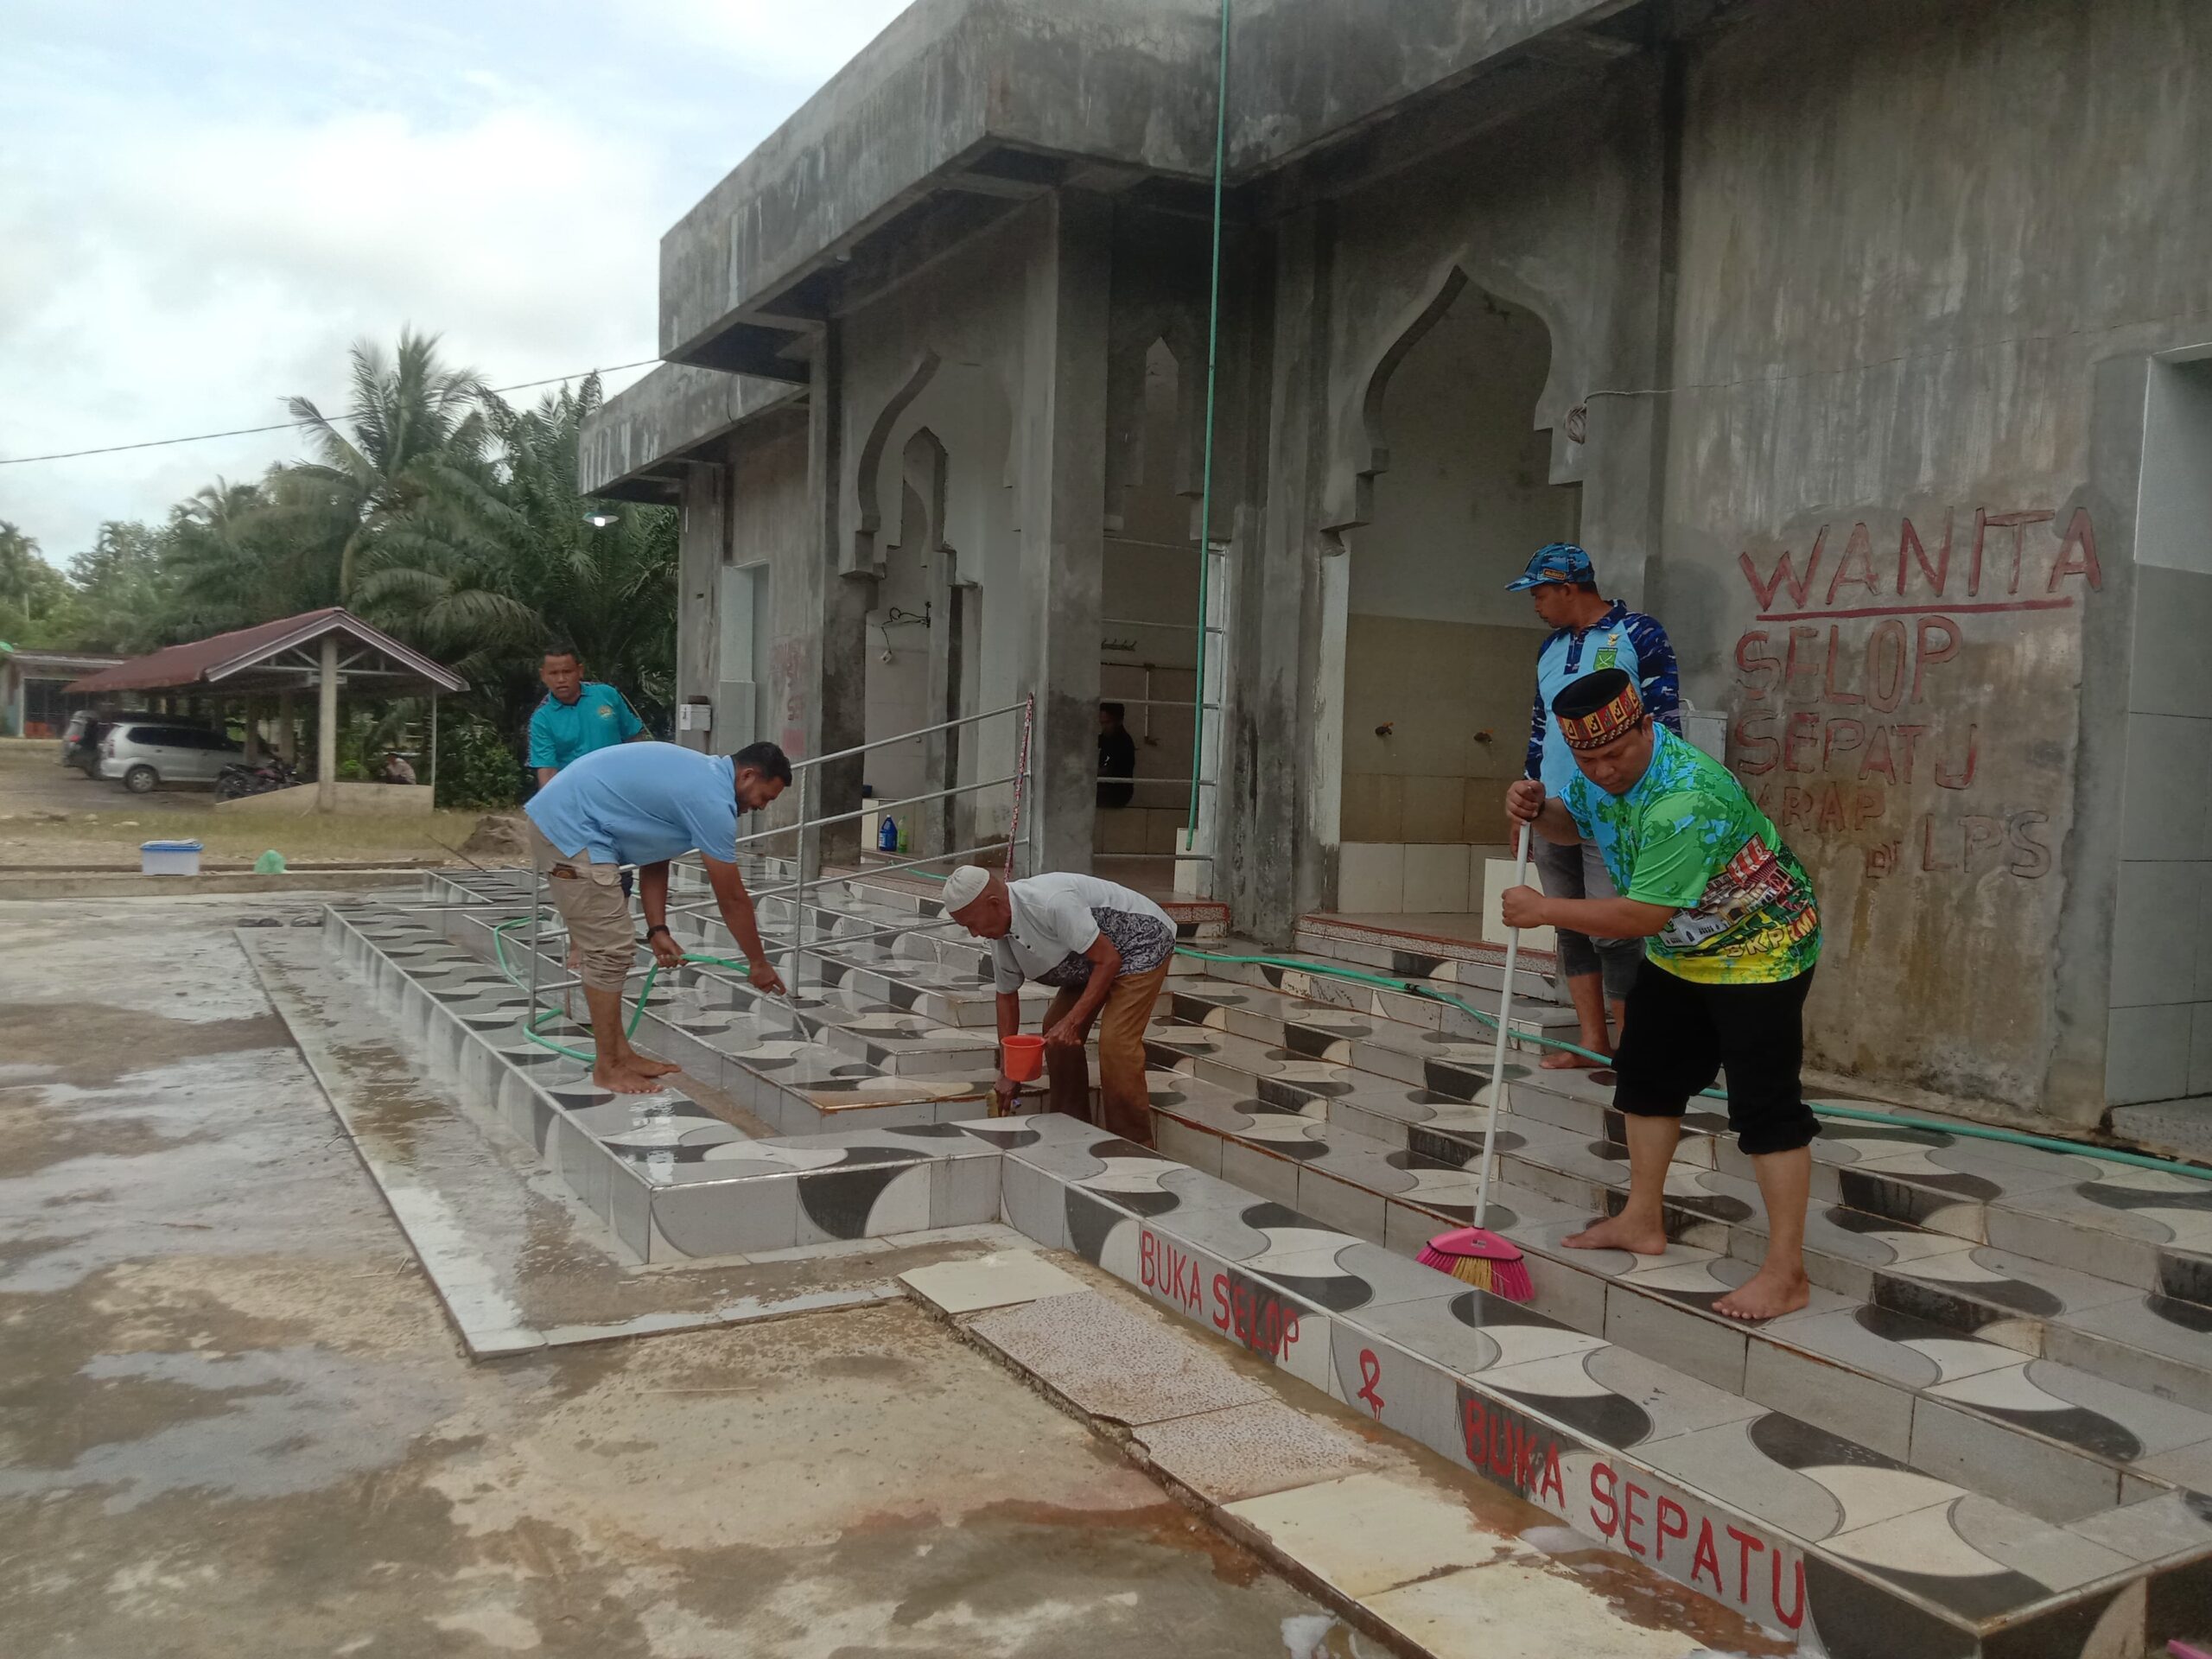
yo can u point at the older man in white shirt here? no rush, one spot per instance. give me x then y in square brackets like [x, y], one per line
[1106, 948]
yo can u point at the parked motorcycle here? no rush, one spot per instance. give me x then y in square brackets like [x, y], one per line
[240, 779]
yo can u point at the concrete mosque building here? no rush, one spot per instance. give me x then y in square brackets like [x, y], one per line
[1868, 347]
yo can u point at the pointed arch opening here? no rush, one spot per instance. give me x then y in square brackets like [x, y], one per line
[1148, 647]
[1438, 660]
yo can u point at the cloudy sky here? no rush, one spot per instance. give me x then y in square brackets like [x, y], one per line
[201, 206]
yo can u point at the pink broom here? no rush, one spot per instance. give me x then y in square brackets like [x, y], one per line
[1486, 1259]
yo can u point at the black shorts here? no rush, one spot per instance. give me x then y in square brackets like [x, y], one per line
[1680, 1035]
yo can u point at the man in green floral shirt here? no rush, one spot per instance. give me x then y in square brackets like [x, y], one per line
[1731, 935]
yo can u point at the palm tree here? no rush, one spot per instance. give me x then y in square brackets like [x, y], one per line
[124, 588]
[408, 412]
[239, 554]
[495, 555]
[37, 605]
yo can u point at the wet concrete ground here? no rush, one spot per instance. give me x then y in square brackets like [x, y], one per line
[234, 1420]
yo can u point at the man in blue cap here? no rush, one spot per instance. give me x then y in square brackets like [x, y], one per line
[1589, 632]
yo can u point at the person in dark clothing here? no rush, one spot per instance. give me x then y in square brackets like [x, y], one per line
[1118, 756]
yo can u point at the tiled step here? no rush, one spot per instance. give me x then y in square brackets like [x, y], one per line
[1816, 1536]
[1532, 1016]
[800, 1069]
[2147, 1229]
[670, 1178]
[1848, 1548]
[2048, 1437]
[1476, 982]
[2143, 1340]
[1408, 953]
[1894, 1203]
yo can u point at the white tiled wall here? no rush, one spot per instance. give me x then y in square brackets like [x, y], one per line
[1416, 879]
[2159, 1041]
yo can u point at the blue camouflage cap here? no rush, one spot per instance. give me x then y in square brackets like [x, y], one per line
[1561, 561]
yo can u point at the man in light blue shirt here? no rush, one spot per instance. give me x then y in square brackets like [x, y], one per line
[1590, 634]
[578, 715]
[644, 804]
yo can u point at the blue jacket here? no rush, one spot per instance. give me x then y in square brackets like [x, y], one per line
[1621, 639]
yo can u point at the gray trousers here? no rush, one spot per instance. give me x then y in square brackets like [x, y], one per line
[1578, 872]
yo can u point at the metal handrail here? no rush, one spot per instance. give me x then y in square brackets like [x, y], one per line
[798, 767]
[1140, 622]
[800, 884]
[871, 809]
[829, 941]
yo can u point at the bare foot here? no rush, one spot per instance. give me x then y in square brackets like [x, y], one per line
[1556, 1060]
[625, 1080]
[1765, 1295]
[1619, 1233]
[651, 1067]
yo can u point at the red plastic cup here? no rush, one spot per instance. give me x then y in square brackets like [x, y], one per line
[1024, 1056]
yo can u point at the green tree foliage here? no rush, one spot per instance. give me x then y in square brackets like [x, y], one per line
[499, 555]
[477, 766]
[123, 593]
[409, 413]
[434, 509]
[239, 554]
[37, 605]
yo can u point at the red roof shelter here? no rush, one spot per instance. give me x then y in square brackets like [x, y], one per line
[326, 650]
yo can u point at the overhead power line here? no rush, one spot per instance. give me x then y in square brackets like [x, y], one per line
[289, 426]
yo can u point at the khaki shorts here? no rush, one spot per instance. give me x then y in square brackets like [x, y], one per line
[591, 902]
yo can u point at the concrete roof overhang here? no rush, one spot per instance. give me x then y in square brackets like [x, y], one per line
[638, 445]
[963, 110]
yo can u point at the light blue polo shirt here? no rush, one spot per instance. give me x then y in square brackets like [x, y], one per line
[562, 733]
[640, 803]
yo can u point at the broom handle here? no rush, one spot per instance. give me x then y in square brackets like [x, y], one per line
[1498, 1055]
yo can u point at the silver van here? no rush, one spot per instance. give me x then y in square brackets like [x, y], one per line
[146, 754]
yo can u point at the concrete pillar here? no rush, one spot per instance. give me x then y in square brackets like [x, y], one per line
[1063, 495]
[702, 546]
[1278, 838]
[326, 728]
[947, 645]
[839, 717]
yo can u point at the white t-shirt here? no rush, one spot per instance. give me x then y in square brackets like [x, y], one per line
[1059, 916]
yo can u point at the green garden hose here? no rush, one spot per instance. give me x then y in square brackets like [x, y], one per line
[644, 990]
[1857, 1114]
[1414, 988]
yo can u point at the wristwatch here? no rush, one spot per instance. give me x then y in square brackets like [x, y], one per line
[661, 928]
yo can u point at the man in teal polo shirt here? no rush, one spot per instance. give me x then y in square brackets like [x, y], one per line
[577, 716]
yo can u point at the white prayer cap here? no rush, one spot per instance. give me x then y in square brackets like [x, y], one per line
[965, 886]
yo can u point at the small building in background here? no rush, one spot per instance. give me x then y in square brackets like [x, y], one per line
[35, 700]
